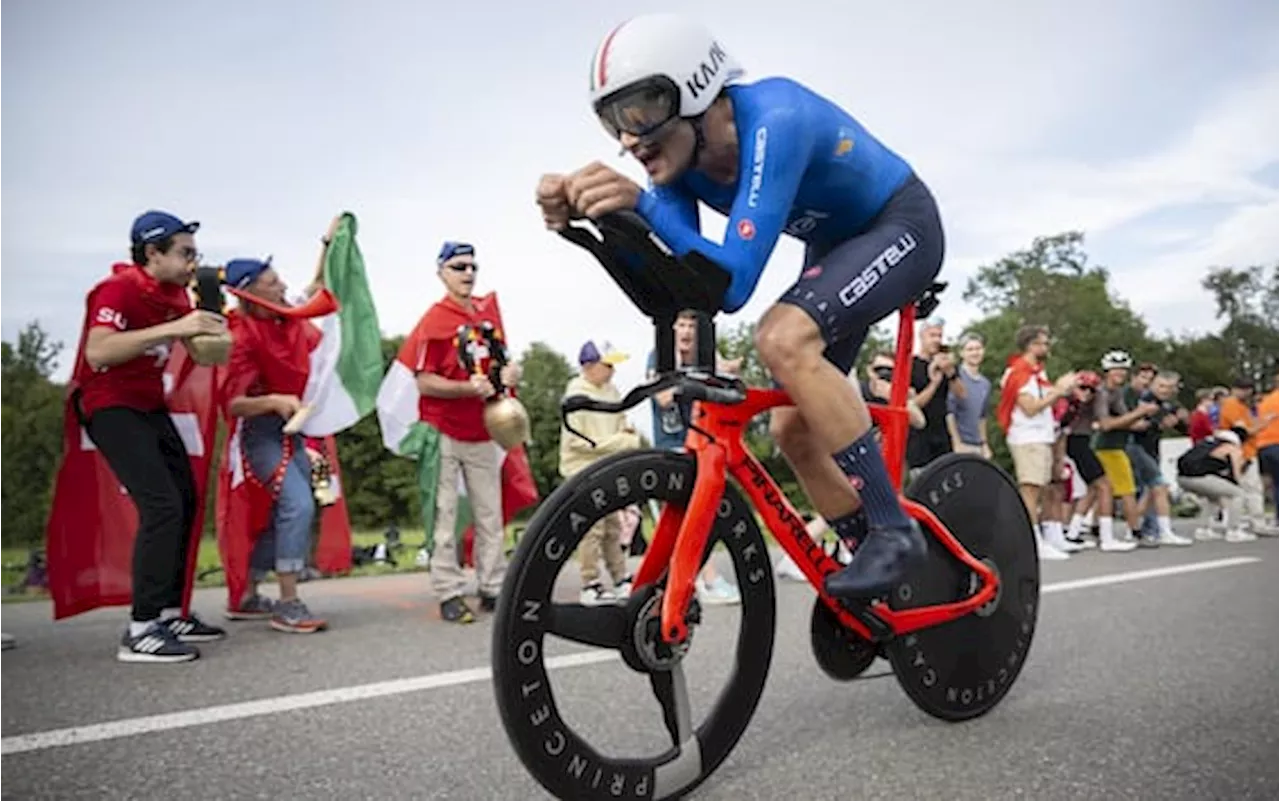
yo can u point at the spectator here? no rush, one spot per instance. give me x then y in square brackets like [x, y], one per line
[967, 412]
[263, 385]
[117, 386]
[1268, 442]
[1200, 423]
[1236, 415]
[453, 403]
[1211, 469]
[669, 432]
[1079, 421]
[1143, 451]
[1026, 415]
[934, 377]
[1116, 422]
[611, 433]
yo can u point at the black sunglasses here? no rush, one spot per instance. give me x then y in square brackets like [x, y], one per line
[462, 268]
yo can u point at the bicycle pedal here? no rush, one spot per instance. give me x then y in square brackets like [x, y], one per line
[880, 631]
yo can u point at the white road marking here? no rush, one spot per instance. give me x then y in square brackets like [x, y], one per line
[1139, 575]
[130, 727]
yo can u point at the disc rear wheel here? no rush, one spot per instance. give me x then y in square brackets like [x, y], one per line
[962, 669]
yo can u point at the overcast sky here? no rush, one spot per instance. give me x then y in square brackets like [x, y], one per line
[1149, 124]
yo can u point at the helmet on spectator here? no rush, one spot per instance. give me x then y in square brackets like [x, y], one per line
[1116, 360]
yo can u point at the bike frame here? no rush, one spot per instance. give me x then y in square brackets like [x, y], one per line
[680, 536]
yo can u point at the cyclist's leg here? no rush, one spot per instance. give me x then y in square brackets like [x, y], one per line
[822, 320]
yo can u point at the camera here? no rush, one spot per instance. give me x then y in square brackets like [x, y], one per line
[1167, 407]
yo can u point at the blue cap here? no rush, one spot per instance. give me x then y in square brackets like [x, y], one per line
[239, 273]
[450, 249]
[153, 226]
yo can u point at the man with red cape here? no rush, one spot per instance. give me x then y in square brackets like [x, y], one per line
[120, 437]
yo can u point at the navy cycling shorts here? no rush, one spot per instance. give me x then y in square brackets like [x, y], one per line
[851, 286]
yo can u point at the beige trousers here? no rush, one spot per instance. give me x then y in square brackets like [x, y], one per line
[603, 539]
[477, 465]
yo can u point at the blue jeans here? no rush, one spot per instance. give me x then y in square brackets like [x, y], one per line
[287, 540]
[1268, 463]
[1146, 474]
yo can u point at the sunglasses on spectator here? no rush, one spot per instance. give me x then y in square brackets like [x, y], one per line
[463, 267]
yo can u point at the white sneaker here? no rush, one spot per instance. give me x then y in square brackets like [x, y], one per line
[718, 593]
[788, 569]
[1048, 553]
[1263, 527]
[1171, 538]
[1208, 534]
[1061, 543]
[1116, 545]
[1240, 535]
[622, 590]
[594, 594]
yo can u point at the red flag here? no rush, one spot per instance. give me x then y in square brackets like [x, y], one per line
[519, 492]
[93, 523]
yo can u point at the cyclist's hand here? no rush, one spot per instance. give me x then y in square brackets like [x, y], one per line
[553, 201]
[596, 190]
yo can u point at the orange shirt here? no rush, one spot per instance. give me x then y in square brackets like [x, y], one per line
[1270, 434]
[1232, 413]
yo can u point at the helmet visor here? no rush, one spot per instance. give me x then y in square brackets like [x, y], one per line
[639, 109]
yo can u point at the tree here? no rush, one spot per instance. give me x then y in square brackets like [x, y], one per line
[1051, 284]
[32, 433]
[544, 375]
[1247, 299]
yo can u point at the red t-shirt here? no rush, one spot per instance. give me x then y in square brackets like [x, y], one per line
[1199, 426]
[129, 300]
[269, 356]
[460, 418]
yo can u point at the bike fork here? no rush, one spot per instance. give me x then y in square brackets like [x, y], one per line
[695, 529]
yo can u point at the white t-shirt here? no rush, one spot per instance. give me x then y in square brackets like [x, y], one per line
[1041, 427]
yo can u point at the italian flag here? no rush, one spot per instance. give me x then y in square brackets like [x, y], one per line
[405, 434]
[345, 369]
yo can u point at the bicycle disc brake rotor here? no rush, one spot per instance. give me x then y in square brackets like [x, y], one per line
[960, 670]
[557, 755]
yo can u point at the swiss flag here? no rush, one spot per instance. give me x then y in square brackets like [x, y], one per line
[92, 523]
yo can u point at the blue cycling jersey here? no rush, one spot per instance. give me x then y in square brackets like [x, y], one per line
[806, 168]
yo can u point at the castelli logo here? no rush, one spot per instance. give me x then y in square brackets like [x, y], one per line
[812, 272]
[856, 482]
[746, 229]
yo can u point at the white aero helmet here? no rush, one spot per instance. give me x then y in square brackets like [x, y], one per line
[654, 68]
[1116, 360]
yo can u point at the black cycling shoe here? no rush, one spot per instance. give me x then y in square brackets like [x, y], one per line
[883, 559]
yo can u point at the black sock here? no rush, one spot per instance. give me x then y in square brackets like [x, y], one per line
[862, 462]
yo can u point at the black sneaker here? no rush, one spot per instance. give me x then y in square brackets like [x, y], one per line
[156, 644]
[455, 610]
[193, 629]
[488, 603]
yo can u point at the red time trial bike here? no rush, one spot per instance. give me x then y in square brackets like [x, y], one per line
[956, 631]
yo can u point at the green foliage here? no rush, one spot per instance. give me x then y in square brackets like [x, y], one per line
[31, 421]
[544, 375]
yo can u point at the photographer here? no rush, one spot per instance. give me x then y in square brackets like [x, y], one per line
[1143, 450]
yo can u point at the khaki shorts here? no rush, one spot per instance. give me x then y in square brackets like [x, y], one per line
[1115, 463]
[1033, 463]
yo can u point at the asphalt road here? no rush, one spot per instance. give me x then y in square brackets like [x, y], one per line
[1150, 683]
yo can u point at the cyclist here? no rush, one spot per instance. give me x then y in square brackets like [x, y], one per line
[775, 157]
